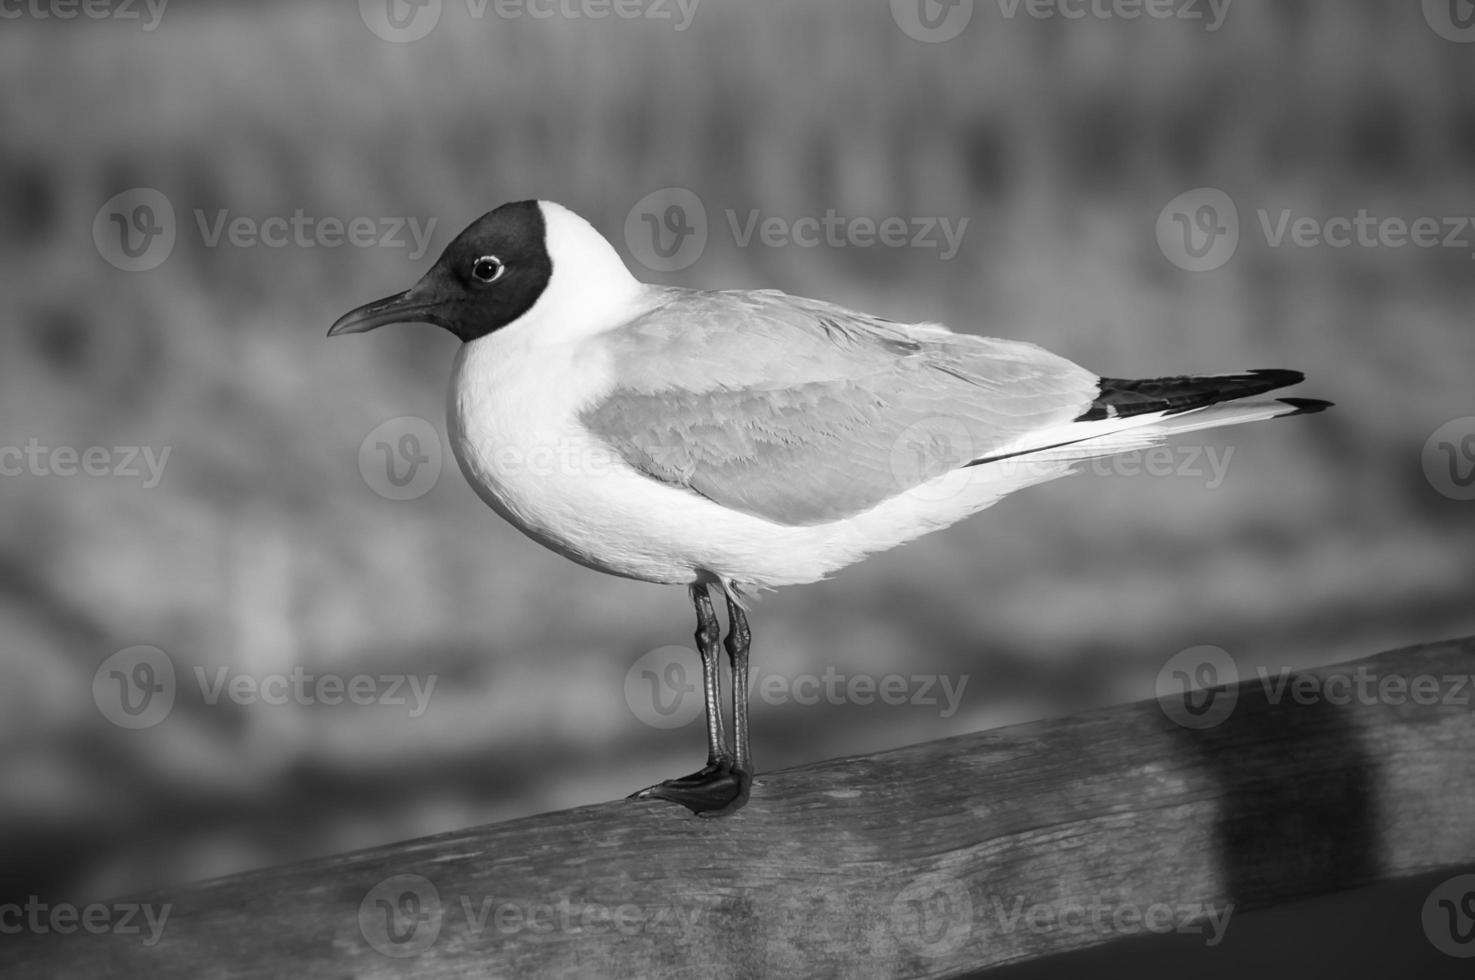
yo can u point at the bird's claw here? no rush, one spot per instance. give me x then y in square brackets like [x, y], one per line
[718, 789]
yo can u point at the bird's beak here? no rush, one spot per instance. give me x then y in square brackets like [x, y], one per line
[415, 305]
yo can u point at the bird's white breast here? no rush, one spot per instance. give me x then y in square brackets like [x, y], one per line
[515, 430]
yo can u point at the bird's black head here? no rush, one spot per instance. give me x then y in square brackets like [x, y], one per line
[489, 276]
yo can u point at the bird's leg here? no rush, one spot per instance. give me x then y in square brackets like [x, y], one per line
[738, 640]
[708, 634]
[721, 786]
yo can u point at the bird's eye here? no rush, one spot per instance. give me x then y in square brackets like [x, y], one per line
[488, 268]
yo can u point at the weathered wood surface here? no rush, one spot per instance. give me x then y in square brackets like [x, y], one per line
[933, 860]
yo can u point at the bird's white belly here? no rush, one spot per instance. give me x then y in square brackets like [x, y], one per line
[515, 431]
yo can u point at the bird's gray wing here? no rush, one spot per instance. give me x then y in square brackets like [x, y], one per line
[801, 412]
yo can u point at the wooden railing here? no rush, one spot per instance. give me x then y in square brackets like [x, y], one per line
[936, 860]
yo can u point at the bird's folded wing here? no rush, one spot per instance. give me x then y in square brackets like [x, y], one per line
[802, 413]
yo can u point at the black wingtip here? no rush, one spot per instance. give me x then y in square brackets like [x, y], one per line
[1305, 406]
[1121, 398]
[1279, 377]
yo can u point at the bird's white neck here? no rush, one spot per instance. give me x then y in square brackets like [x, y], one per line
[590, 290]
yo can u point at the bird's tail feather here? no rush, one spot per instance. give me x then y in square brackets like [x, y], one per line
[1133, 415]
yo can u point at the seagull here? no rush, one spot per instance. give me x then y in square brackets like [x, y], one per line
[745, 440]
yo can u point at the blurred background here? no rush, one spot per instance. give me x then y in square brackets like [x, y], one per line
[152, 305]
